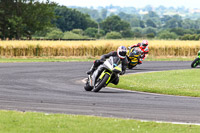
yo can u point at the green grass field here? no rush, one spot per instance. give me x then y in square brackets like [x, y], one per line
[179, 82]
[76, 58]
[176, 82]
[45, 59]
[20, 122]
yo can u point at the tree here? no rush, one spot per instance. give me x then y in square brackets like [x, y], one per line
[173, 23]
[16, 27]
[198, 31]
[150, 35]
[6, 11]
[113, 35]
[167, 35]
[24, 17]
[55, 34]
[197, 23]
[178, 31]
[71, 35]
[135, 22]
[197, 37]
[165, 18]
[191, 24]
[192, 37]
[149, 30]
[152, 14]
[142, 25]
[91, 32]
[77, 31]
[127, 33]
[93, 13]
[137, 32]
[104, 13]
[114, 23]
[185, 37]
[69, 19]
[150, 23]
[148, 8]
[41, 16]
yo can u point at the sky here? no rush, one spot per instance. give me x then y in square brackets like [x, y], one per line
[130, 3]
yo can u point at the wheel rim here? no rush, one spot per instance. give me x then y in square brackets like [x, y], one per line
[196, 63]
[98, 82]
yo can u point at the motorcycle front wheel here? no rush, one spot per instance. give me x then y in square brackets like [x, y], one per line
[101, 83]
[87, 87]
[130, 66]
[195, 63]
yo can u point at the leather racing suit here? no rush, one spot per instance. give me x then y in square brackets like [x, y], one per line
[104, 57]
[145, 50]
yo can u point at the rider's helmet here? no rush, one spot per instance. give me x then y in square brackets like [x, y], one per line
[145, 43]
[121, 52]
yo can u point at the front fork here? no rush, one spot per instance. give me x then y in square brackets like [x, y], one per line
[199, 60]
[102, 75]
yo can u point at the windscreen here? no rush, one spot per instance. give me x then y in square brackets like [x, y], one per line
[134, 52]
[116, 60]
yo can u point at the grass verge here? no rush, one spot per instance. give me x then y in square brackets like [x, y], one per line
[170, 58]
[176, 82]
[85, 58]
[20, 122]
[45, 59]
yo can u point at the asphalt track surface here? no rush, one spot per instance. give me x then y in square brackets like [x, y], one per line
[57, 87]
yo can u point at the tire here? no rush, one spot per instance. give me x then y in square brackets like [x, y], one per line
[130, 66]
[87, 87]
[115, 81]
[195, 63]
[102, 83]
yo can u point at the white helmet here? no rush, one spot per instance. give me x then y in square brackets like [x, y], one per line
[121, 52]
[145, 43]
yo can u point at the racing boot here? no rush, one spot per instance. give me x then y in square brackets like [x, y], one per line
[140, 61]
[94, 67]
[91, 70]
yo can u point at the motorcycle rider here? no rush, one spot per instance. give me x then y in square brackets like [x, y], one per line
[144, 47]
[120, 53]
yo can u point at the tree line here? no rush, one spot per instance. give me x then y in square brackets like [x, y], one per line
[22, 18]
[33, 19]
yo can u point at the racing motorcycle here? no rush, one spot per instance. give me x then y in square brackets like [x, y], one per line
[106, 73]
[133, 56]
[196, 62]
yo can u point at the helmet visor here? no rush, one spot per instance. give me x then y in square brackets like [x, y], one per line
[144, 44]
[122, 53]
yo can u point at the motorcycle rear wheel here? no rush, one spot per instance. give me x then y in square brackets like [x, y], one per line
[101, 83]
[195, 63]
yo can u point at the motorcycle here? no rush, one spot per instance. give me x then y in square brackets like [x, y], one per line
[133, 56]
[106, 73]
[196, 62]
